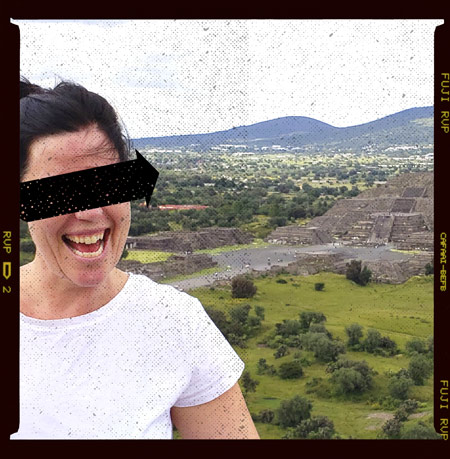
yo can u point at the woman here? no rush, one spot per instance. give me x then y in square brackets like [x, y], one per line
[105, 353]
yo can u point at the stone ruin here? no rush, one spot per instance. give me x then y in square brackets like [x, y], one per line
[188, 241]
[178, 264]
[392, 272]
[399, 212]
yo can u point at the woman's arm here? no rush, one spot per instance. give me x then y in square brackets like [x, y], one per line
[226, 417]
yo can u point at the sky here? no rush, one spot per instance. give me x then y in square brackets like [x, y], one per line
[170, 77]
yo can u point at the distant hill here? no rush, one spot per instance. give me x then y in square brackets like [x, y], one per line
[409, 127]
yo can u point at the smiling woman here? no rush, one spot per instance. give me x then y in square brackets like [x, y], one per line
[106, 353]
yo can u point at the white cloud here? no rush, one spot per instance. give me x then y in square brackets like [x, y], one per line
[170, 77]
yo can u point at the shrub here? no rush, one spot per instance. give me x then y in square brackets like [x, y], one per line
[292, 412]
[241, 287]
[356, 274]
[288, 328]
[281, 281]
[325, 349]
[290, 370]
[317, 427]
[421, 431]
[240, 313]
[309, 317]
[376, 344]
[265, 416]
[259, 311]
[354, 333]
[348, 381]
[391, 428]
[416, 346]
[281, 351]
[420, 368]
[248, 383]
[429, 269]
[27, 245]
[399, 387]
[319, 286]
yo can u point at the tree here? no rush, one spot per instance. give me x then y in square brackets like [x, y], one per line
[248, 383]
[292, 412]
[420, 368]
[317, 427]
[290, 370]
[356, 274]
[354, 333]
[241, 287]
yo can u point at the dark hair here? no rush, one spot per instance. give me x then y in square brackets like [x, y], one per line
[68, 107]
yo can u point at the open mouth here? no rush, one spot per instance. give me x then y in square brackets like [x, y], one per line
[87, 246]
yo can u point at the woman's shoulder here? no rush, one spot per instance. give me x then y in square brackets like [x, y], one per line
[147, 289]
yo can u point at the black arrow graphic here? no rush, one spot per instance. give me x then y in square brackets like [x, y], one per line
[88, 189]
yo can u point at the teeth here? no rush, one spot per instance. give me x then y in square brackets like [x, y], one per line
[86, 239]
[89, 254]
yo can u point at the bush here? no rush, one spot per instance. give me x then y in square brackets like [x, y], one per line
[349, 381]
[376, 344]
[27, 245]
[264, 416]
[354, 333]
[292, 412]
[281, 351]
[419, 369]
[356, 274]
[405, 409]
[318, 428]
[241, 287]
[399, 387]
[319, 286]
[281, 281]
[325, 349]
[416, 346]
[421, 431]
[248, 383]
[307, 318]
[290, 370]
[288, 328]
[391, 428]
[259, 311]
[429, 269]
[240, 313]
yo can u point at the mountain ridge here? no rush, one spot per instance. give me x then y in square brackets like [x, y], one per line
[301, 131]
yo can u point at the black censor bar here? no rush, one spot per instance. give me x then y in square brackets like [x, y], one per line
[87, 189]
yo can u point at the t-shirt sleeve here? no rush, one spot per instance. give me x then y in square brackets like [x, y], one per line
[215, 366]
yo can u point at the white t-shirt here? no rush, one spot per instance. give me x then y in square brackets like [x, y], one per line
[117, 371]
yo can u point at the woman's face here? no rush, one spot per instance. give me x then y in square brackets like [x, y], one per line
[62, 249]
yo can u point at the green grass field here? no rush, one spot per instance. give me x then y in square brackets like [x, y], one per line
[148, 256]
[398, 311]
